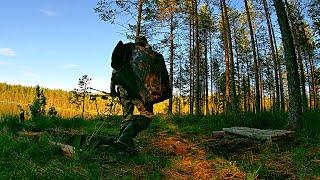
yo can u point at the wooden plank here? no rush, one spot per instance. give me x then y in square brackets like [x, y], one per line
[260, 134]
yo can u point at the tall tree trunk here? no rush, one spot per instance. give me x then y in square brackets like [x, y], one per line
[238, 65]
[140, 4]
[295, 110]
[244, 86]
[180, 85]
[296, 41]
[248, 85]
[171, 61]
[313, 80]
[226, 56]
[211, 72]
[206, 73]
[308, 78]
[191, 69]
[197, 59]
[274, 57]
[282, 99]
[234, 100]
[249, 93]
[255, 61]
[261, 84]
[194, 61]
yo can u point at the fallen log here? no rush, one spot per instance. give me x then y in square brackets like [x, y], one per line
[260, 134]
[30, 134]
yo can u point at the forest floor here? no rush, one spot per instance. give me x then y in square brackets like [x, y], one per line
[173, 147]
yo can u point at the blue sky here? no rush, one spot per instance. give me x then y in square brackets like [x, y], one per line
[53, 43]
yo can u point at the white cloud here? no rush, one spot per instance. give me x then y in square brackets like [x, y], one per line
[69, 66]
[48, 12]
[7, 52]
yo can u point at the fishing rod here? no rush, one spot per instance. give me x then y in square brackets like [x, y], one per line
[100, 91]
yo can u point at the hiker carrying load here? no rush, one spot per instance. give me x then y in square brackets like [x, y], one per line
[140, 79]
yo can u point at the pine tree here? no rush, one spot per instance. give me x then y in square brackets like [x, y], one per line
[292, 66]
[255, 60]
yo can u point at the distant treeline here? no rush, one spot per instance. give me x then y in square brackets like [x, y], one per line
[13, 95]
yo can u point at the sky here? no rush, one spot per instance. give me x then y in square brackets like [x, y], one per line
[54, 43]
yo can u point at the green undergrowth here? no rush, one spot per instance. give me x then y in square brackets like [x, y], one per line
[207, 124]
[298, 158]
[33, 158]
[23, 157]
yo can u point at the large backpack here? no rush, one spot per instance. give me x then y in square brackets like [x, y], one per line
[144, 75]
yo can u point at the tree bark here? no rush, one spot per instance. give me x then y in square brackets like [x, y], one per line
[296, 40]
[295, 110]
[197, 59]
[140, 4]
[226, 57]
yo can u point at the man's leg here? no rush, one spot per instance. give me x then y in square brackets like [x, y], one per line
[127, 108]
[136, 125]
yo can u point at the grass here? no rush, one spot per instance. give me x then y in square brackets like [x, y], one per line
[30, 158]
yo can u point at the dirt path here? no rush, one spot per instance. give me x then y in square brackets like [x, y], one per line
[190, 160]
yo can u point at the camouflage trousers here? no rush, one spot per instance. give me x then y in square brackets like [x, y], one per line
[128, 104]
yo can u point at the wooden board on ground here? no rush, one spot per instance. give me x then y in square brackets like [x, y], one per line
[260, 134]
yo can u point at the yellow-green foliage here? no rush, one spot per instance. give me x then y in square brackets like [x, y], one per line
[13, 95]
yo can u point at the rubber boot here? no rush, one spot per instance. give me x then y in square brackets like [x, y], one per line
[135, 126]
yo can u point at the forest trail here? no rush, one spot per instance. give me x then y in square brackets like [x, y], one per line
[190, 160]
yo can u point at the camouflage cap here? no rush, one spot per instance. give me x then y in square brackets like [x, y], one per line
[141, 40]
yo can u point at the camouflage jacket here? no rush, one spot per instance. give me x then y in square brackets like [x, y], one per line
[144, 75]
